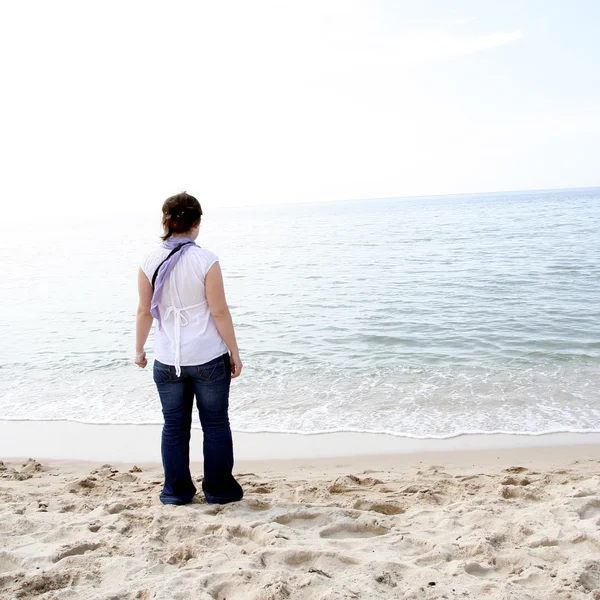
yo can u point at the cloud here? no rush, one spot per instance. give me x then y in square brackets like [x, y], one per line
[482, 42]
[429, 46]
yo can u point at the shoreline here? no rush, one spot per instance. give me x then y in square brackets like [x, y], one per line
[67, 440]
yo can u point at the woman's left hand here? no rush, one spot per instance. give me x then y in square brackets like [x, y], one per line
[141, 360]
[236, 365]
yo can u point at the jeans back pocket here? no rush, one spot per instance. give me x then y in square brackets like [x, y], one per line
[163, 373]
[215, 370]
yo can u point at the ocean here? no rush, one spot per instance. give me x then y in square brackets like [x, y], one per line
[422, 317]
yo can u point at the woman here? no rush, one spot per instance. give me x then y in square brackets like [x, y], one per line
[181, 286]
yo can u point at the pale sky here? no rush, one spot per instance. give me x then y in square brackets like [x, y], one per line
[113, 106]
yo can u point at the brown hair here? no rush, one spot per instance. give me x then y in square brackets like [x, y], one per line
[181, 213]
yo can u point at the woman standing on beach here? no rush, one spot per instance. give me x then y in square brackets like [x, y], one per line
[181, 286]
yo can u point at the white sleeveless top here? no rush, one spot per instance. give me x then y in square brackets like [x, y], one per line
[188, 335]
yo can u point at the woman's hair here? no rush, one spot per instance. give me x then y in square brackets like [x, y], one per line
[181, 213]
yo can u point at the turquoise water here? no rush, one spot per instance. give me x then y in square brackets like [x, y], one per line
[425, 317]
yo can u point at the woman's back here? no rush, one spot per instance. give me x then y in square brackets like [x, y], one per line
[184, 299]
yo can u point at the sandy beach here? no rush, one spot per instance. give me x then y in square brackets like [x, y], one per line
[518, 523]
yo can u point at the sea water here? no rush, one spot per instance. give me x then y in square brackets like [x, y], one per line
[422, 317]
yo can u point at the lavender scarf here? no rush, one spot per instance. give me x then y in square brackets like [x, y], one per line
[166, 268]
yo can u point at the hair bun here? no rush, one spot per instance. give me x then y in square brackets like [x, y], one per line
[180, 214]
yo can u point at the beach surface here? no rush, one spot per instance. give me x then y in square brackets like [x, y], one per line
[474, 517]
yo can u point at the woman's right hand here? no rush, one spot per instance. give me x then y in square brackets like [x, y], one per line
[236, 365]
[140, 359]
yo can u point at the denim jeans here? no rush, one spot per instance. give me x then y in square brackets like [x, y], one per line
[210, 384]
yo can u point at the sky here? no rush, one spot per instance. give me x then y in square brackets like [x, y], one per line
[112, 106]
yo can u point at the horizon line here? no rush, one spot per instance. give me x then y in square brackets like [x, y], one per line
[413, 197]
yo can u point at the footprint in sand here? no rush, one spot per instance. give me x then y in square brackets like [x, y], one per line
[268, 586]
[543, 542]
[83, 485]
[256, 504]
[590, 576]
[238, 535]
[50, 582]
[179, 555]
[585, 493]
[439, 555]
[510, 492]
[314, 559]
[259, 487]
[383, 508]
[303, 519]
[515, 481]
[477, 570]
[9, 562]
[125, 478]
[589, 509]
[352, 483]
[349, 529]
[409, 546]
[113, 508]
[75, 550]
[515, 470]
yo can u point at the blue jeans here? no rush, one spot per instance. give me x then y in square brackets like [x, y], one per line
[210, 384]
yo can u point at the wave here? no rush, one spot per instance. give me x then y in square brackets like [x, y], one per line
[266, 431]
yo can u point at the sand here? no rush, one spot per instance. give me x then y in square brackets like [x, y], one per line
[505, 524]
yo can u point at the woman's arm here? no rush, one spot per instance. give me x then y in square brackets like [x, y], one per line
[215, 296]
[143, 321]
